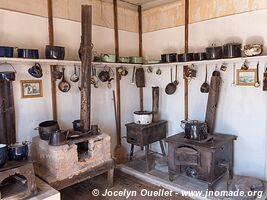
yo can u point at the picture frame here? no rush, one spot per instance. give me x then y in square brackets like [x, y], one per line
[31, 88]
[246, 77]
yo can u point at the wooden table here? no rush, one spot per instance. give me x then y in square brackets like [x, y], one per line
[144, 135]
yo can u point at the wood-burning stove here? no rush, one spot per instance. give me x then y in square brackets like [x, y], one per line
[207, 160]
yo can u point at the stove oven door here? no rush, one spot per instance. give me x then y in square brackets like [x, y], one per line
[187, 156]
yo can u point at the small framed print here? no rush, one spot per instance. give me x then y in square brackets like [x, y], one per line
[246, 77]
[31, 88]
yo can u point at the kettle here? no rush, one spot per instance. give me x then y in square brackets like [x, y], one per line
[194, 129]
[104, 75]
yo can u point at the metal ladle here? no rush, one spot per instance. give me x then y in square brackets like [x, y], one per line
[75, 77]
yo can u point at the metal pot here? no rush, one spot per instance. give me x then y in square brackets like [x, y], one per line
[142, 117]
[185, 57]
[3, 154]
[214, 52]
[124, 59]
[58, 138]
[167, 58]
[76, 125]
[136, 60]
[7, 76]
[104, 75]
[36, 70]
[18, 151]
[111, 58]
[46, 128]
[195, 130]
[253, 49]
[28, 53]
[6, 51]
[232, 50]
[200, 56]
[54, 52]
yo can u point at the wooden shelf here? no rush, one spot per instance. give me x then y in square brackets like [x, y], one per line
[101, 64]
[209, 62]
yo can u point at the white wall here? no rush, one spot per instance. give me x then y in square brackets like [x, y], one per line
[241, 110]
[28, 31]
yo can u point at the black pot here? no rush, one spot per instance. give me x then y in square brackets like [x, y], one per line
[200, 56]
[28, 53]
[232, 50]
[185, 57]
[167, 58]
[18, 151]
[214, 52]
[76, 125]
[54, 52]
[6, 51]
[195, 130]
[7, 76]
[3, 154]
[46, 128]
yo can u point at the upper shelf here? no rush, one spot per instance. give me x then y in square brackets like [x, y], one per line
[96, 64]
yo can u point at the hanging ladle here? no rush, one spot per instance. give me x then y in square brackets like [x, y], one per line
[257, 83]
[205, 86]
[176, 82]
[75, 77]
[171, 87]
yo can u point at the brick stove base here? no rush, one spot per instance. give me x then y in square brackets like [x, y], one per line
[57, 163]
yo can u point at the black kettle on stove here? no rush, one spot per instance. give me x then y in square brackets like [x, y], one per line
[194, 129]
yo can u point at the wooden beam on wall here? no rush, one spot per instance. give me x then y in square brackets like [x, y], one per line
[52, 67]
[140, 25]
[186, 51]
[116, 29]
[86, 58]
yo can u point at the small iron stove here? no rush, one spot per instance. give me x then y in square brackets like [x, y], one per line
[207, 160]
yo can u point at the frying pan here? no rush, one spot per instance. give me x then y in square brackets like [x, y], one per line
[64, 85]
[171, 87]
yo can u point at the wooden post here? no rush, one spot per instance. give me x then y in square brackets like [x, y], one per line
[86, 58]
[116, 30]
[186, 67]
[52, 67]
[141, 90]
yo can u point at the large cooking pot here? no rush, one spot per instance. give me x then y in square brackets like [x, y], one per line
[6, 51]
[185, 57]
[194, 129]
[18, 151]
[54, 52]
[142, 117]
[167, 58]
[46, 128]
[58, 138]
[200, 56]
[3, 154]
[214, 52]
[28, 53]
[232, 50]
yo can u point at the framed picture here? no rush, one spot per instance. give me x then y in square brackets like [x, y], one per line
[31, 88]
[246, 77]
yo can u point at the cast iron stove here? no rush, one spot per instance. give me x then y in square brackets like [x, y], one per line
[207, 160]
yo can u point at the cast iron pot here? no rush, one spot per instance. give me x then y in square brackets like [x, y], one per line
[46, 128]
[58, 138]
[18, 151]
[54, 52]
[6, 51]
[194, 129]
[76, 125]
[214, 52]
[200, 56]
[167, 58]
[185, 57]
[3, 154]
[232, 50]
[28, 53]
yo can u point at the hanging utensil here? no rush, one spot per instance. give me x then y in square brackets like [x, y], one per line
[158, 72]
[257, 83]
[176, 82]
[205, 86]
[233, 82]
[140, 77]
[75, 77]
[265, 78]
[171, 87]
[94, 79]
[64, 85]
[133, 76]
[244, 66]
